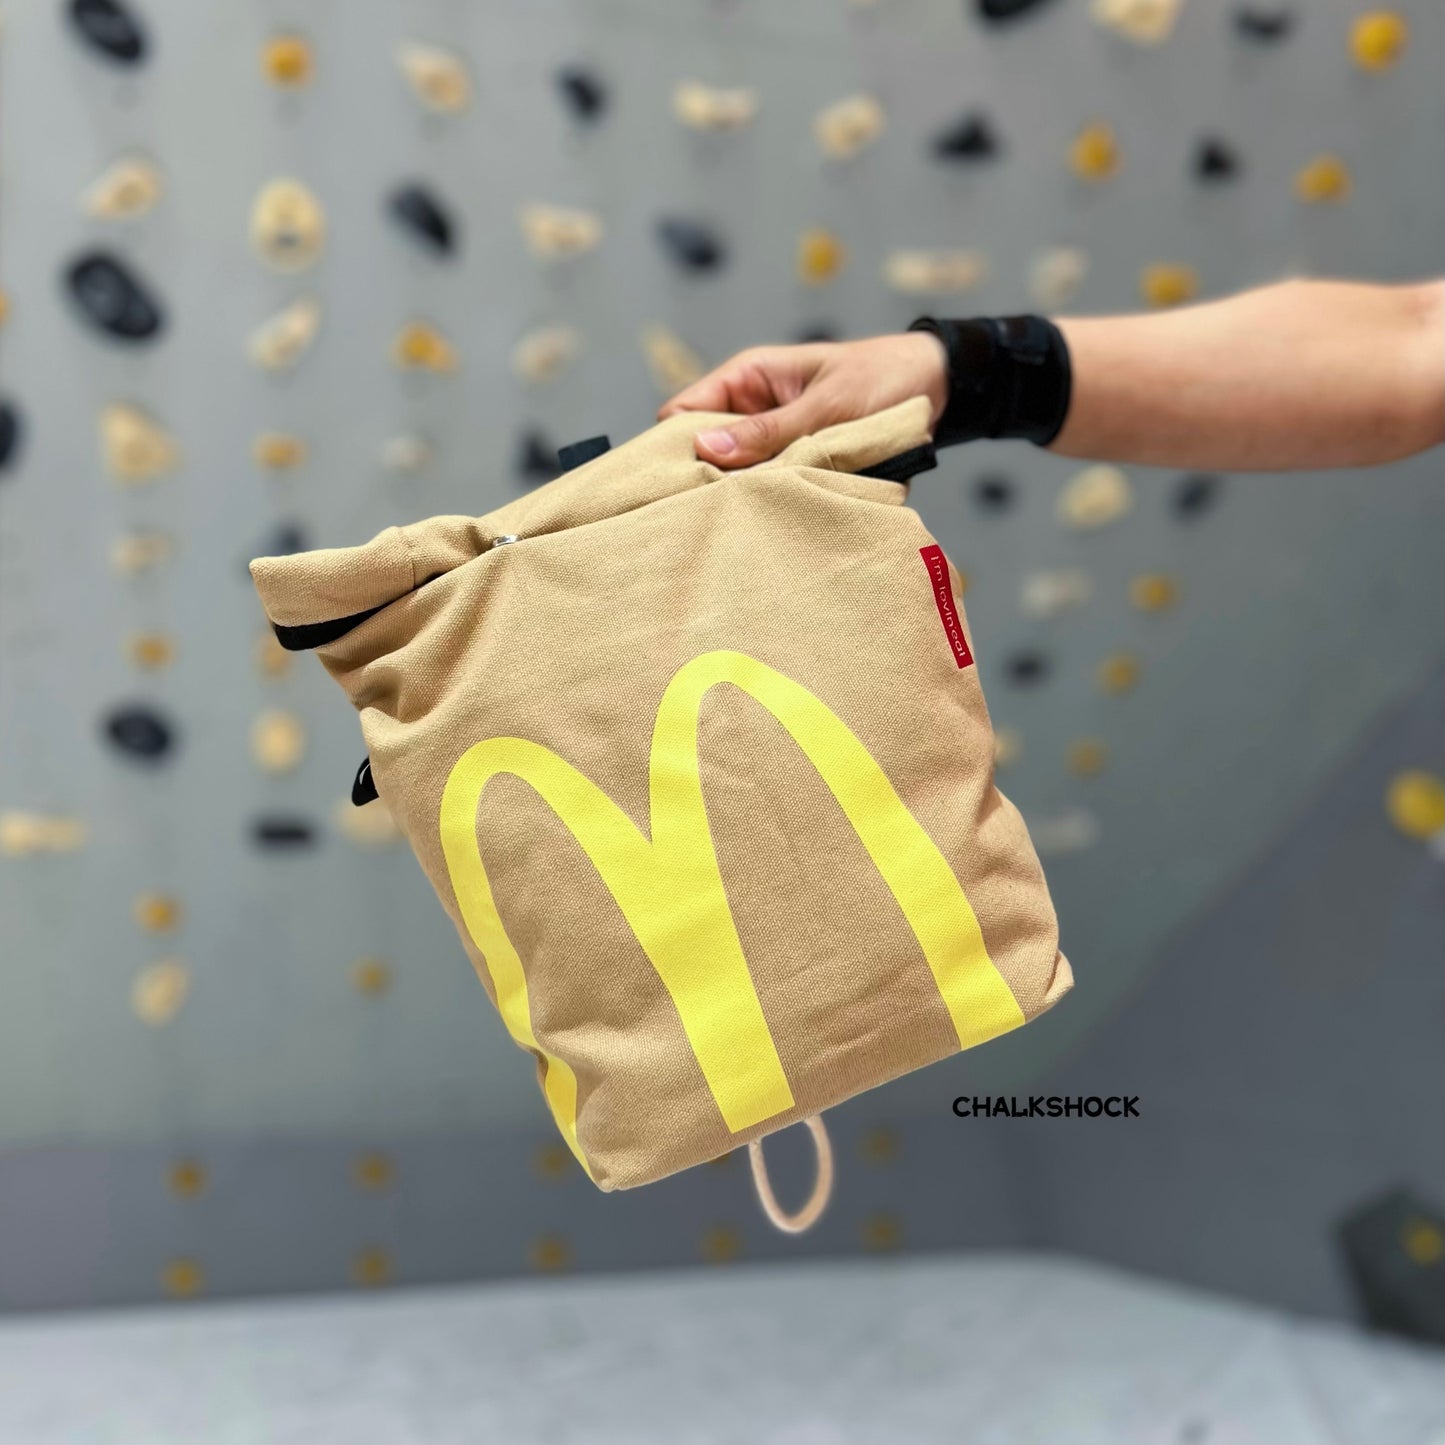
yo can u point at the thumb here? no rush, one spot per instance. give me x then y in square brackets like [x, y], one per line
[755, 438]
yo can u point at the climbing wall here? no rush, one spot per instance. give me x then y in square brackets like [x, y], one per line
[278, 275]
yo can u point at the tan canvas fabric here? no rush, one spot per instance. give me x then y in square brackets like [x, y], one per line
[694, 767]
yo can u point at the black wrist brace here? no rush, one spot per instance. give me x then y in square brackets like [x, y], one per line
[1008, 376]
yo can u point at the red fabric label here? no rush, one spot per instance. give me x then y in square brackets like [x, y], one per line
[937, 565]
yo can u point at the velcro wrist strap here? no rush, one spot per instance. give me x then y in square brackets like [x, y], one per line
[1008, 376]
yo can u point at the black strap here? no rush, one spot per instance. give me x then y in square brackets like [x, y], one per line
[574, 454]
[318, 634]
[904, 465]
[363, 786]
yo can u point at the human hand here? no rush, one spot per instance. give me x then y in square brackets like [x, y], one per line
[785, 392]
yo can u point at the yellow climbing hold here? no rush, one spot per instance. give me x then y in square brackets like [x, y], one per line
[1168, 285]
[1326, 178]
[1154, 592]
[287, 60]
[373, 1172]
[371, 1268]
[156, 912]
[182, 1278]
[1087, 757]
[1118, 673]
[420, 347]
[1377, 37]
[150, 650]
[134, 446]
[550, 1252]
[278, 451]
[1416, 803]
[1094, 154]
[186, 1178]
[370, 976]
[820, 256]
[721, 1244]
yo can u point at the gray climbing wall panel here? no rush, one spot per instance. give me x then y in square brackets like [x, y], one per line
[1307, 603]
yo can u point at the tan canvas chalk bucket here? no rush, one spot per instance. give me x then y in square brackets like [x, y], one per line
[699, 764]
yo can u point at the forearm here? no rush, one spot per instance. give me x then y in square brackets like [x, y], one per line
[1298, 375]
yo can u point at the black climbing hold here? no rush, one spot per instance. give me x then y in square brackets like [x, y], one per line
[1027, 668]
[110, 29]
[996, 10]
[12, 434]
[1266, 26]
[994, 493]
[139, 732]
[111, 299]
[583, 91]
[822, 332]
[536, 458]
[1214, 160]
[423, 217]
[282, 832]
[693, 245]
[970, 138]
[289, 537]
[1197, 494]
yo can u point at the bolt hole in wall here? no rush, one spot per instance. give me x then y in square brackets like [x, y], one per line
[276, 278]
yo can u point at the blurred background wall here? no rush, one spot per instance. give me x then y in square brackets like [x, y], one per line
[227, 1067]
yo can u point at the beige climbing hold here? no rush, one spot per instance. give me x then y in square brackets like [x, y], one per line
[1146, 22]
[288, 61]
[279, 342]
[24, 834]
[1415, 803]
[916, 272]
[371, 976]
[708, 107]
[1377, 39]
[1094, 154]
[1070, 832]
[278, 739]
[134, 446]
[437, 77]
[419, 346]
[672, 362]
[1154, 592]
[1326, 178]
[4, 306]
[124, 190]
[276, 451]
[1094, 497]
[159, 991]
[1087, 757]
[1050, 594]
[1056, 275]
[272, 660]
[156, 912]
[544, 354]
[1008, 747]
[557, 233]
[406, 454]
[370, 826]
[288, 226]
[1118, 673]
[140, 552]
[1163, 284]
[847, 126]
[820, 256]
[150, 650]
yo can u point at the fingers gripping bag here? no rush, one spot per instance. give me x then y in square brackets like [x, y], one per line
[699, 764]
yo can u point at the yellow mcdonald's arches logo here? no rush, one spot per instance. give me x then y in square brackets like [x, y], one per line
[671, 892]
